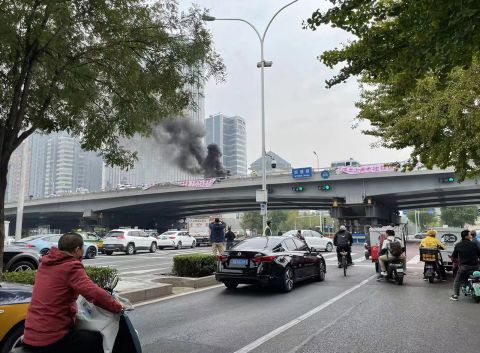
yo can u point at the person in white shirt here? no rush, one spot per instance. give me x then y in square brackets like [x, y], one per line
[386, 253]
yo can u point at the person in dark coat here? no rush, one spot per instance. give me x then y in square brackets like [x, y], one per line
[217, 236]
[230, 237]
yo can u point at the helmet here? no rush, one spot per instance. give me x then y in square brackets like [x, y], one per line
[431, 233]
[342, 227]
[476, 274]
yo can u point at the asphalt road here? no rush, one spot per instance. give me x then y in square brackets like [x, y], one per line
[142, 263]
[342, 314]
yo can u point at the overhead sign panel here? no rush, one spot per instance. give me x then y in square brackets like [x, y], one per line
[298, 173]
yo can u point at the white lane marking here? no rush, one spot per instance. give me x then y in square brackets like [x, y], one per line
[334, 258]
[139, 272]
[309, 338]
[414, 260]
[250, 347]
[177, 295]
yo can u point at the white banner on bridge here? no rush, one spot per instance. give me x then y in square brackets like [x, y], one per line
[373, 168]
[202, 183]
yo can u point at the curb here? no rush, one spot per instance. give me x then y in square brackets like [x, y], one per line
[148, 293]
[188, 281]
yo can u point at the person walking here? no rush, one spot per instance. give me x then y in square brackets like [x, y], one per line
[217, 236]
[267, 232]
[230, 237]
[467, 254]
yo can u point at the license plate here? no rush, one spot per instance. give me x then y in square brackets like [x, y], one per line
[238, 262]
[164, 238]
[400, 270]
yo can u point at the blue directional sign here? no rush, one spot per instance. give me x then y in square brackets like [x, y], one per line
[325, 174]
[298, 173]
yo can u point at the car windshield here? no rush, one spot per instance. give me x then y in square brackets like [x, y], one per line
[258, 243]
[290, 232]
[33, 237]
[169, 233]
[114, 234]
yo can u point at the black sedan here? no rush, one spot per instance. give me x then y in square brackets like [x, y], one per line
[278, 261]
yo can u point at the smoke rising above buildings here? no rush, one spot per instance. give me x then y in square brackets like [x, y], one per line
[183, 140]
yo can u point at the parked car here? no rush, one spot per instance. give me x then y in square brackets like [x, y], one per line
[128, 241]
[176, 239]
[43, 243]
[94, 239]
[9, 240]
[280, 261]
[16, 258]
[314, 239]
[14, 302]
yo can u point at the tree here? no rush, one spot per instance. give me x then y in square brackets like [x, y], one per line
[252, 220]
[99, 70]
[458, 216]
[410, 55]
[426, 218]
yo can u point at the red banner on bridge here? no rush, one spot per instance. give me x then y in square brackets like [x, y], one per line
[201, 183]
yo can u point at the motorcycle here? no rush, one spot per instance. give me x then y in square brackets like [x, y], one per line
[472, 287]
[433, 263]
[395, 271]
[119, 335]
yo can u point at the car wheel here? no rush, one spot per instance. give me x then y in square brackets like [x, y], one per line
[231, 284]
[288, 280]
[13, 339]
[130, 249]
[329, 247]
[153, 247]
[194, 244]
[91, 253]
[108, 252]
[321, 271]
[179, 245]
[21, 266]
[44, 252]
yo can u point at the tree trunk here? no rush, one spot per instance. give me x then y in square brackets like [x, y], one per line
[3, 190]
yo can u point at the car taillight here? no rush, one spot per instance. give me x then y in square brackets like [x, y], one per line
[29, 246]
[259, 259]
[121, 237]
[172, 237]
[222, 258]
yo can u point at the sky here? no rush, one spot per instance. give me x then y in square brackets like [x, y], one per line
[302, 115]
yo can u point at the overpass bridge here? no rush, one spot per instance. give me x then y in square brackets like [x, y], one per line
[371, 198]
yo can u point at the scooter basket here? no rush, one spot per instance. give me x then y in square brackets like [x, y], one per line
[428, 255]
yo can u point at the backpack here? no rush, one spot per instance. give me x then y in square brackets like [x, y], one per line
[395, 249]
[342, 239]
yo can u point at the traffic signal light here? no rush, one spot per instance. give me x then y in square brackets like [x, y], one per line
[325, 187]
[298, 188]
[447, 180]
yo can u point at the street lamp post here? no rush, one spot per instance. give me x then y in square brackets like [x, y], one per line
[318, 161]
[262, 65]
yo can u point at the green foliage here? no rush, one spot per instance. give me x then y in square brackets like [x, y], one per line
[458, 216]
[419, 65]
[252, 220]
[194, 265]
[23, 277]
[103, 276]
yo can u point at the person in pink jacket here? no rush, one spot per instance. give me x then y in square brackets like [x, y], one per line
[61, 278]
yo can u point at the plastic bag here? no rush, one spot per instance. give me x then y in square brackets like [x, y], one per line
[93, 318]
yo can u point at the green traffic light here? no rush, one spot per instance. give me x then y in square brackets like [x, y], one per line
[300, 188]
[451, 180]
[327, 187]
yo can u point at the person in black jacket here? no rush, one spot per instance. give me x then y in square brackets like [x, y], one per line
[217, 236]
[468, 254]
[343, 240]
[230, 237]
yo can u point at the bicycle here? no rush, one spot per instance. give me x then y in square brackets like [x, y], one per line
[344, 262]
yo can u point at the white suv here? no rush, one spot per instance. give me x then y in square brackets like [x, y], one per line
[129, 241]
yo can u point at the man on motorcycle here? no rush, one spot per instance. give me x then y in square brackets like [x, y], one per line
[387, 254]
[343, 240]
[467, 254]
[431, 241]
[61, 277]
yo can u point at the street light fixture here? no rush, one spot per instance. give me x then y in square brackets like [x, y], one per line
[318, 162]
[262, 65]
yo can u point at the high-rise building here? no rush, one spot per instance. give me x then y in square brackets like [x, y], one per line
[154, 163]
[282, 164]
[229, 133]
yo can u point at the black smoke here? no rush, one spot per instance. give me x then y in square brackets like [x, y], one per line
[183, 140]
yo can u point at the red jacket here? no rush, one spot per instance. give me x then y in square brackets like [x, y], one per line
[59, 281]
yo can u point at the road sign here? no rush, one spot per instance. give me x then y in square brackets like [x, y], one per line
[298, 173]
[262, 196]
[263, 209]
[325, 174]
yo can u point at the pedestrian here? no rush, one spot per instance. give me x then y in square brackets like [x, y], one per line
[299, 235]
[267, 232]
[279, 233]
[467, 254]
[230, 237]
[217, 236]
